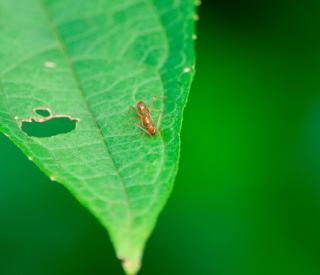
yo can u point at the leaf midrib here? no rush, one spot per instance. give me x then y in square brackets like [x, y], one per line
[70, 65]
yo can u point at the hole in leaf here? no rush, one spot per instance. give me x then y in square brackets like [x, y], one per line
[43, 112]
[49, 125]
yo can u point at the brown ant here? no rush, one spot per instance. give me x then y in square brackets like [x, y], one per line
[143, 113]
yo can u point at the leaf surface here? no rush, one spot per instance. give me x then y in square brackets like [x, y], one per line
[88, 61]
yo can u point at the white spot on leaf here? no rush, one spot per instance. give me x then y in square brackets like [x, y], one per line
[196, 17]
[50, 64]
[187, 70]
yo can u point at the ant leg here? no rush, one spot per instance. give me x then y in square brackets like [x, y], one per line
[156, 111]
[131, 108]
[137, 114]
[133, 118]
[143, 129]
[158, 122]
[159, 117]
[152, 102]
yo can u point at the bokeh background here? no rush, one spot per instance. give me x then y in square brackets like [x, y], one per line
[247, 196]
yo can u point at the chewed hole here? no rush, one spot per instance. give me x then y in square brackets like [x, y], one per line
[48, 126]
[51, 127]
[43, 112]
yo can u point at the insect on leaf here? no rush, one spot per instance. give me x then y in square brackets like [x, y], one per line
[69, 72]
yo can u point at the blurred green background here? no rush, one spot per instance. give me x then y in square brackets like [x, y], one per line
[247, 196]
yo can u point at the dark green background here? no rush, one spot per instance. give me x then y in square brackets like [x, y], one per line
[247, 197]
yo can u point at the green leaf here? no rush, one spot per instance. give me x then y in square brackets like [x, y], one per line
[85, 63]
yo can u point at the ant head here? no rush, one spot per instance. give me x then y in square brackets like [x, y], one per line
[141, 105]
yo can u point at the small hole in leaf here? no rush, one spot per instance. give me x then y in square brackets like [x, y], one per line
[43, 112]
[49, 125]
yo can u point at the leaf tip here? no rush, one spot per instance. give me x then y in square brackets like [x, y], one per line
[131, 267]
